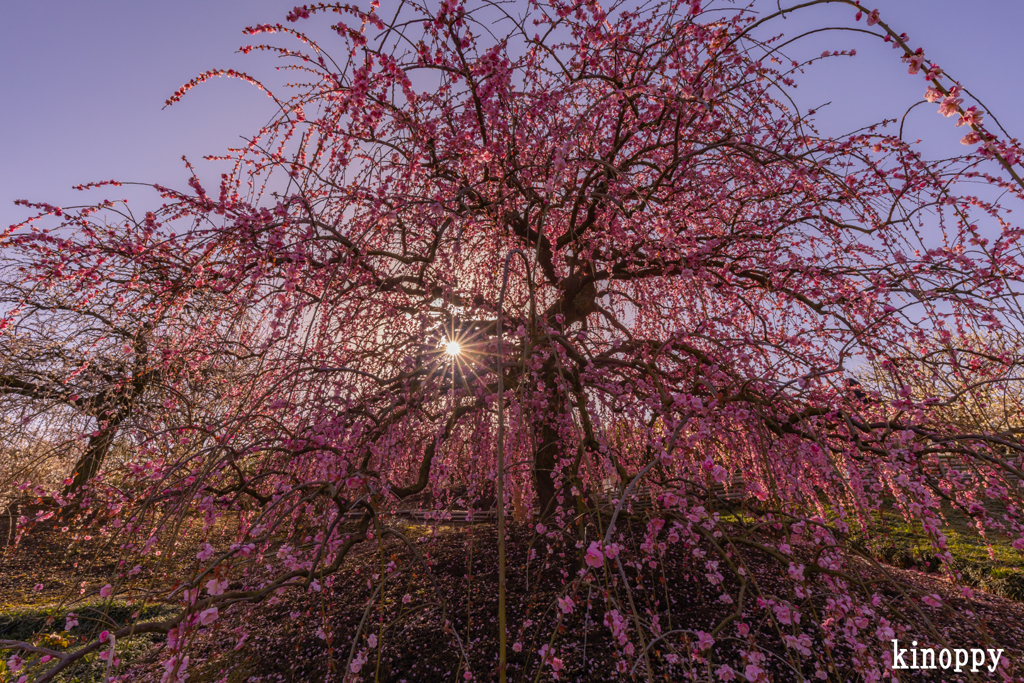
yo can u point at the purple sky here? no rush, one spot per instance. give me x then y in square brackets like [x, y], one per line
[82, 84]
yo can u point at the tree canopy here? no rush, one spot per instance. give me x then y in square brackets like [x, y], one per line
[700, 274]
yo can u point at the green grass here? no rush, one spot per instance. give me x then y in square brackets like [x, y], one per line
[32, 623]
[989, 562]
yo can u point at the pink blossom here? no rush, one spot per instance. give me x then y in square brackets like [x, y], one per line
[801, 644]
[932, 95]
[406, 599]
[206, 552]
[566, 605]
[169, 668]
[972, 117]
[172, 639]
[873, 17]
[106, 591]
[932, 600]
[725, 673]
[885, 631]
[38, 587]
[1018, 544]
[669, 499]
[594, 557]
[208, 616]
[950, 106]
[70, 622]
[357, 662]
[216, 586]
[517, 646]
[704, 640]
[611, 550]
[784, 613]
[753, 673]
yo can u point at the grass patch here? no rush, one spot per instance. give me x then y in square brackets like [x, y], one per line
[989, 562]
[43, 625]
[28, 622]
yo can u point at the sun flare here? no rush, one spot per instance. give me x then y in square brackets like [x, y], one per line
[453, 348]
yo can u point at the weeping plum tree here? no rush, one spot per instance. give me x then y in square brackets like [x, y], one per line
[701, 274]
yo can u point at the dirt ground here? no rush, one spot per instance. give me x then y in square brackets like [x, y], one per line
[435, 612]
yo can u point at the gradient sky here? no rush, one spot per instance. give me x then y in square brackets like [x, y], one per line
[83, 84]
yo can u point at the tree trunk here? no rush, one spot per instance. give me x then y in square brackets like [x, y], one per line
[550, 444]
[544, 465]
[9, 523]
[92, 460]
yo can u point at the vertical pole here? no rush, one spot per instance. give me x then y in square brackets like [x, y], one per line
[502, 629]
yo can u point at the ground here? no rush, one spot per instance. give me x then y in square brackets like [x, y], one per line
[429, 625]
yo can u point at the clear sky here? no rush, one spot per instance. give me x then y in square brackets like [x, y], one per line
[83, 84]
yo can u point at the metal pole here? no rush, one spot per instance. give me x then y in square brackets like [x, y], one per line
[502, 630]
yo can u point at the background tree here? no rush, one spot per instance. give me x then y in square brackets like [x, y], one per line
[90, 328]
